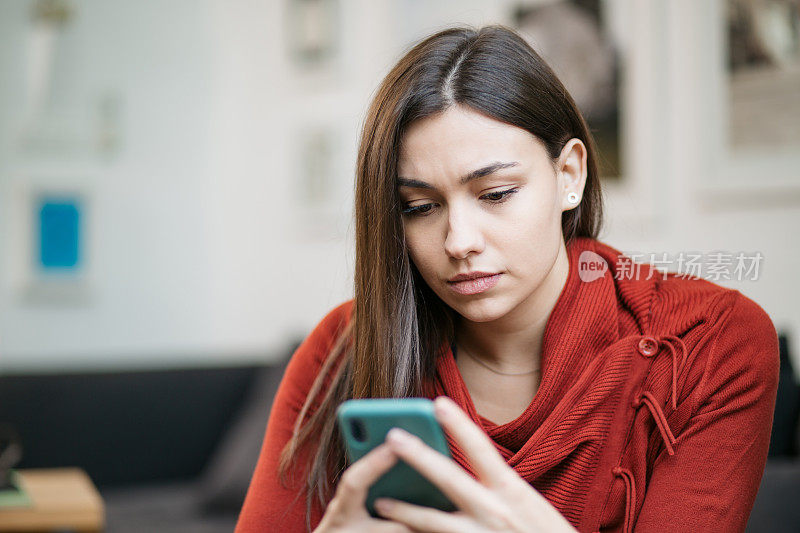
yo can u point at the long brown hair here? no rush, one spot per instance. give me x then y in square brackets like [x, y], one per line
[389, 346]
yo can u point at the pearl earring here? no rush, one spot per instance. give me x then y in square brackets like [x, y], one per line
[572, 197]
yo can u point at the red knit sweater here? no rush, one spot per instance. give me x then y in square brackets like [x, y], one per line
[653, 412]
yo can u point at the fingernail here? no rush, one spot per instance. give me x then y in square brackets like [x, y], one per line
[383, 505]
[397, 435]
[442, 405]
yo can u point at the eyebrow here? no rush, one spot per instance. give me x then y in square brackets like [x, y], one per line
[474, 175]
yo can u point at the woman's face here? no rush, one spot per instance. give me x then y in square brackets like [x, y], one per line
[505, 220]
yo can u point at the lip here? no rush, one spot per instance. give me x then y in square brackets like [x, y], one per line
[474, 282]
[471, 275]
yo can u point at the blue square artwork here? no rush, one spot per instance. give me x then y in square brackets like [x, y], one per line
[59, 234]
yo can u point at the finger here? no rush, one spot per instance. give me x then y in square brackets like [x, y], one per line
[486, 461]
[489, 465]
[420, 518]
[463, 490]
[358, 477]
[388, 526]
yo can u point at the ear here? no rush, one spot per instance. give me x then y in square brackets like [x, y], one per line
[571, 169]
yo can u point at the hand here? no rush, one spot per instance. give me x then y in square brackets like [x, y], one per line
[500, 500]
[347, 511]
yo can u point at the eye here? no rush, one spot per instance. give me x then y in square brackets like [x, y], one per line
[499, 196]
[494, 197]
[418, 210]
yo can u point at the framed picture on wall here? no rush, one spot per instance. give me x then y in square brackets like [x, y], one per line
[575, 38]
[51, 242]
[320, 181]
[763, 63]
[750, 109]
[610, 56]
[312, 32]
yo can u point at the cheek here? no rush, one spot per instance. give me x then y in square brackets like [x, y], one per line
[530, 235]
[531, 220]
[420, 250]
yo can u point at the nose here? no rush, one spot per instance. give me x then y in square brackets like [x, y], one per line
[463, 234]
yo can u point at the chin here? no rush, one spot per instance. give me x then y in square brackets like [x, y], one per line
[482, 310]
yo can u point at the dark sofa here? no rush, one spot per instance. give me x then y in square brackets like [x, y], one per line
[169, 450]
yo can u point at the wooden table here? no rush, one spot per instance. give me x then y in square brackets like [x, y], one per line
[63, 499]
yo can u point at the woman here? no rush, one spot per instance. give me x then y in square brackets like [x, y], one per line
[579, 391]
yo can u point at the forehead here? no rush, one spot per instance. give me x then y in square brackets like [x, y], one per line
[459, 140]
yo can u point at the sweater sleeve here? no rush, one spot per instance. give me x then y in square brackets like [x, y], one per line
[711, 482]
[269, 506]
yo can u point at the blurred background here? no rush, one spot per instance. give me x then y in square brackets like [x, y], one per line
[176, 198]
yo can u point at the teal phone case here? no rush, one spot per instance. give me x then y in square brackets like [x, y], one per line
[364, 425]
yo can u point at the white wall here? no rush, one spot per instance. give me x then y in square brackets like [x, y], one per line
[149, 226]
[201, 250]
[198, 248]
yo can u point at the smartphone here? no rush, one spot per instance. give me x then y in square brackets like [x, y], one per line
[364, 425]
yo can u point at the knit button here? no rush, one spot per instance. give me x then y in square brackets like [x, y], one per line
[636, 402]
[648, 346]
[616, 470]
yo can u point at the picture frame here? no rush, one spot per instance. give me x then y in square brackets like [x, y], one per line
[736, 173]
[313, 33]
[576, 39]
[321, 179]
[51, 239]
